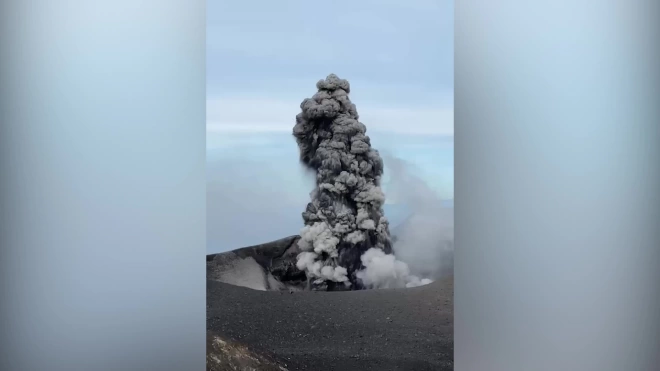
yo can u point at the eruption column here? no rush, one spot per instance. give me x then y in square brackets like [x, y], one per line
[345, 217]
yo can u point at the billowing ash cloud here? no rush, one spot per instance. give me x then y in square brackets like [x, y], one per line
[344, 219]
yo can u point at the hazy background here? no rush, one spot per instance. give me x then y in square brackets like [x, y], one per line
[264, 58]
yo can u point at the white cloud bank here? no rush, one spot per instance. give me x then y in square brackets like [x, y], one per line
[268, 115]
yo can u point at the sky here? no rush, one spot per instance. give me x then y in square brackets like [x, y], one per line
[265, 57]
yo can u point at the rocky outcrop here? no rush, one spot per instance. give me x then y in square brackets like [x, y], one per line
[268, 266]
[224, 354]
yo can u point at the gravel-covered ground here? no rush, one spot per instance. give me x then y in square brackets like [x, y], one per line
[407, 329]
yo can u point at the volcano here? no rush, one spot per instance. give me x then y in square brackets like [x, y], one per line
[270, 306]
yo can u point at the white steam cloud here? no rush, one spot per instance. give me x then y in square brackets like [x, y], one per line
[384, 271]
[426, 239]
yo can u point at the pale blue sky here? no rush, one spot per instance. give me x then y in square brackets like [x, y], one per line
[264, 58]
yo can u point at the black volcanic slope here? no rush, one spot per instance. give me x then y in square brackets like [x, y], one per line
[406, 329]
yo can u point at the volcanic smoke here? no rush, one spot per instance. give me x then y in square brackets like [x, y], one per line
[346, 238]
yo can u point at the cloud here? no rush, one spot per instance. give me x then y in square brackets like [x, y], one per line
[245, 114]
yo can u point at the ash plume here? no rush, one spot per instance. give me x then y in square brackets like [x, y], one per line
[346, 238]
